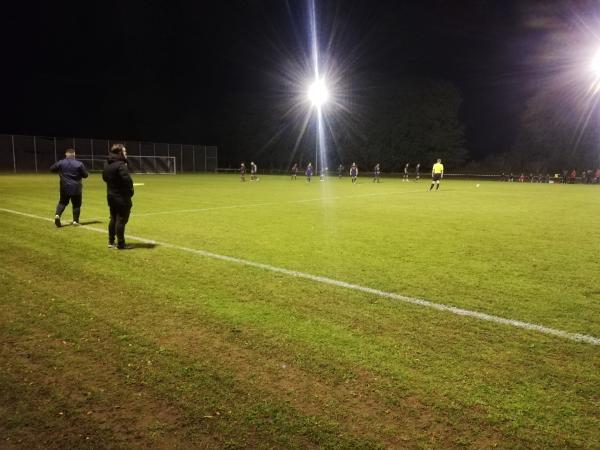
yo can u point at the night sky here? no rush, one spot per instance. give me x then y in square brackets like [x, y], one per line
[165, 71]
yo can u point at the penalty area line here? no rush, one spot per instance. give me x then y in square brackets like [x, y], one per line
[577, 337]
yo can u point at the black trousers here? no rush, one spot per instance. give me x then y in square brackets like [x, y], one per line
[120, 208]
[64, 200]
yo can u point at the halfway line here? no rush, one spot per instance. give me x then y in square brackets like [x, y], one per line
[577, 337]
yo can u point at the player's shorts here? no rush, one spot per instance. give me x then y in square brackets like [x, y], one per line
[437, 176]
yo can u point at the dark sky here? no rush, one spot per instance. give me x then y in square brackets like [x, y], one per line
[163, 70]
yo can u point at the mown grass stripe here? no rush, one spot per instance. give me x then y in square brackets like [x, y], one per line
[577, 337]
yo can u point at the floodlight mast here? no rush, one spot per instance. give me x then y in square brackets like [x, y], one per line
[318, 96]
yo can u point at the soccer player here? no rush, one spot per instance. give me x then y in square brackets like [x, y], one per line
[253, 171]
[340, 170]
[437, 173]
[309, 172]
[376, 173]
[70, 171]
[119, 190]
[243, 172]
[294, 171]
[405, 178]
[354, 173]
[417, 172]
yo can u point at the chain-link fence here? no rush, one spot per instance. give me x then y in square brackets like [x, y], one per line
[20, 153]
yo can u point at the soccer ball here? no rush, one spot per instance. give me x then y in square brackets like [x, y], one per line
[477, 185]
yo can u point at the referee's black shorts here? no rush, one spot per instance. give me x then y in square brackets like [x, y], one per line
[437, 176]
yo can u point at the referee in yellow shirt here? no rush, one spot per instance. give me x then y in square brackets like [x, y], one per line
[437, 173]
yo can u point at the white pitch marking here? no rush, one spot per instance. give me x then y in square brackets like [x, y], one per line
[577, 337]
[253, 205]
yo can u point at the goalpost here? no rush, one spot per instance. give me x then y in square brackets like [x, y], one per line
[137, 163]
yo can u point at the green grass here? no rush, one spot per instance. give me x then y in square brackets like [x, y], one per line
[164, 348]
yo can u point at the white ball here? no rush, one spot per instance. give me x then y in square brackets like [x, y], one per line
[477, 185]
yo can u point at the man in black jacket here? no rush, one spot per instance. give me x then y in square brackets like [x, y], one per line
[119, 190]
[70, 171]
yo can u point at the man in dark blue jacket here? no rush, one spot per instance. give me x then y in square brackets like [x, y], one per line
[71, 171]
[119, 190]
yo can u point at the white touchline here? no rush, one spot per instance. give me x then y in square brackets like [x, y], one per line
[578, 337]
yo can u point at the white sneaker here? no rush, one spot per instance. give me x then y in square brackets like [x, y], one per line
[75, 223]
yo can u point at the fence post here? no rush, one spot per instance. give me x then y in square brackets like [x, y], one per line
[216, 158]
[92, 151]
[193, 158]
[181, 160]
[205, 166]
[35, 153]
[55, 155]
[12, 140]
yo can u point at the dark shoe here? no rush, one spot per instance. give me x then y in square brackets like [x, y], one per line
[124, 246]
[57, 221]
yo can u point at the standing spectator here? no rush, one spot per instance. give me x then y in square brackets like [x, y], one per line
[589, 176]
[376, 173]
[598, 175]
[417, 172]
[309, 172]
[340, 170]
[354, 173]
[242, 172]
[70, 171]
[437, 173]
[405, 177]
[253, 171]
[573, 176]
[294, 171]
[119, 191]
[522, 178]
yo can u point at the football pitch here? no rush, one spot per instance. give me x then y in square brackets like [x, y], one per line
[286, 314]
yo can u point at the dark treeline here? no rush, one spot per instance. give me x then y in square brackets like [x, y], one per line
[409, 121]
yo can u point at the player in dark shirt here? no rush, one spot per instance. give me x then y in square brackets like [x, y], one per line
[376, 173]
[70, 171]
[309, 172]
[353, 173]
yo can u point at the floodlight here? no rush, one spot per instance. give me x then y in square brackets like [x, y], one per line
[595, 64]
[317, 93]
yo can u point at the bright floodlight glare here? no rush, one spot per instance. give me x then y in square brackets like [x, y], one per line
[595, 65]
[317, 93]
